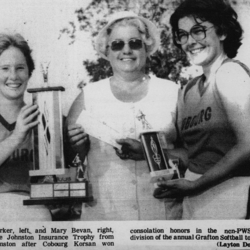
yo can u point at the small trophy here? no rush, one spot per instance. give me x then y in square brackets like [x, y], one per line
[50, 181]
[160, 167]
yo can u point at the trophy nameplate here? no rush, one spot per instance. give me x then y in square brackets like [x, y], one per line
[160, 167]
[51, 181]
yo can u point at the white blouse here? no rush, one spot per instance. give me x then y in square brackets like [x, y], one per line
[122, 188]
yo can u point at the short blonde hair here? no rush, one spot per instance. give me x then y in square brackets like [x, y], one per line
[146, 28]
[132, 22]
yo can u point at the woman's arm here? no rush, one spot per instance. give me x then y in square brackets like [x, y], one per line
[78, 140]
[26, 120]
[234, 88]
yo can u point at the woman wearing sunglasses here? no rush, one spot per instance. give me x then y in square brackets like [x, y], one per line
[131, 102]
[213, 113]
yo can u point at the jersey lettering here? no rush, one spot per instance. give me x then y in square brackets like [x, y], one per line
[202, 116]
[22, 155]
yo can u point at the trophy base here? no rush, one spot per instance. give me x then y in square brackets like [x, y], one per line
[57, 201]
[164, 175]
[58, 193]
[44, 172]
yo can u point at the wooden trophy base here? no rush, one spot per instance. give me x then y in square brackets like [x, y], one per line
[57, 201]
[164, 175]
[58, 193]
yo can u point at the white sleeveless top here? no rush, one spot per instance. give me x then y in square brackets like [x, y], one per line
[122, 188]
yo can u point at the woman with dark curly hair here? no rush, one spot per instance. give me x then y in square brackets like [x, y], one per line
[213, 113]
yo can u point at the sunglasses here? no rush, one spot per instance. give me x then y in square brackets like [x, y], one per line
[134, 44]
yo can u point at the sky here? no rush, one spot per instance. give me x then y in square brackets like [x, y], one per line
[40, 22]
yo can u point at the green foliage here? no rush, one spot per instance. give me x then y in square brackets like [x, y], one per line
[166, 63]
[99, 69]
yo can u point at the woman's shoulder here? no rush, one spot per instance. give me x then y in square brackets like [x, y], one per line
[101, 84]
[97, 92]
[91, 92]
[233, 80]
[164, 84]
[233, 69]
[232, 73]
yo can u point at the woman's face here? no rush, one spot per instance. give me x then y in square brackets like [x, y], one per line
[126, 60]
[203, 52]
[14, 73]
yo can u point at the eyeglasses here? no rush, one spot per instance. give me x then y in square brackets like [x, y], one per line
[134, 44]
[198, 33]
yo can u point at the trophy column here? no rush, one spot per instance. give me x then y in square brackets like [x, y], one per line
[158, 163]
[50, 179]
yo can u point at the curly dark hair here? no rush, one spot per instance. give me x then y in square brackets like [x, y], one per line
[219, 13]
[16, 40]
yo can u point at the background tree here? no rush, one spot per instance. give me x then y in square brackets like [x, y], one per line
[166, 63]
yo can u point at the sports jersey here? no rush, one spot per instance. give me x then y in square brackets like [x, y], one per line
[208, 135]
[14, 172]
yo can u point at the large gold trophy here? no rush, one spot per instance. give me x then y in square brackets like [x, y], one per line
[51, 181]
